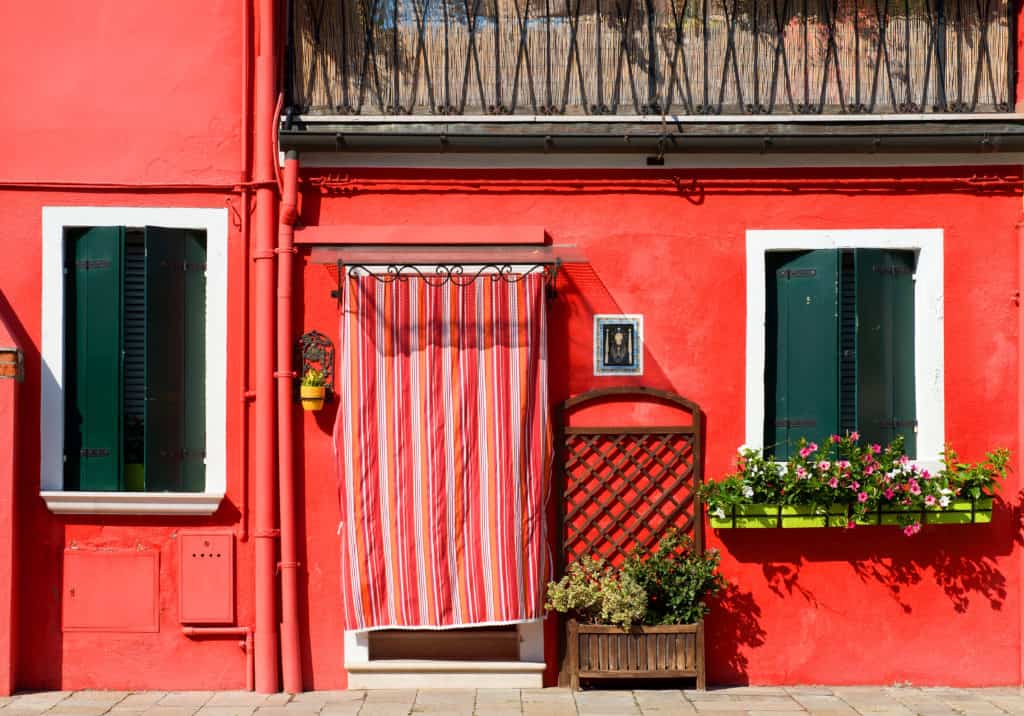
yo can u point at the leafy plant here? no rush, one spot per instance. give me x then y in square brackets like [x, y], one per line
[593, 592]
[668, 586]
[314, 379]
[677, 579]
[861, 478]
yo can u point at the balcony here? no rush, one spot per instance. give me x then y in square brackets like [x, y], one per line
[572, 70]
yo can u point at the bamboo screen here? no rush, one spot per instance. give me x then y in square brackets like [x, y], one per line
[631, 57]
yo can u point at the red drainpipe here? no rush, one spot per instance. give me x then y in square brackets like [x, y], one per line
[291, 668]
[1020, 419]
[265, 174]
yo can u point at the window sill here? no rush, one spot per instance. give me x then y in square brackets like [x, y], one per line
[131, 503]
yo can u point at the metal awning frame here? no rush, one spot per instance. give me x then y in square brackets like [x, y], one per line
[458, 274]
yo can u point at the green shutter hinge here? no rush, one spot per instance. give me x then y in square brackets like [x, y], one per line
[796, 273]
[92, 264]
[785, 423]
[896, 424]
[892, 270]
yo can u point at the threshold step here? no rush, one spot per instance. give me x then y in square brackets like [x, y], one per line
[424, 673]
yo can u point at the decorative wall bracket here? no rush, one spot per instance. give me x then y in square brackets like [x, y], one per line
[455, 273]
[314, 351]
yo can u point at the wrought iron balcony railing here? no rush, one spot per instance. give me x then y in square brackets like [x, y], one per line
[650, 57]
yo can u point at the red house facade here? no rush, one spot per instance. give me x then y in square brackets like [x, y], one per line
[188, 184]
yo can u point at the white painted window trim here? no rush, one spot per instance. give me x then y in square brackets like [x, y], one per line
[929, 336]
[51, 394]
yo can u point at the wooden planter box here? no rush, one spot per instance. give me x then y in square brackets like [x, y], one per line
[959, 512]
[599, 651]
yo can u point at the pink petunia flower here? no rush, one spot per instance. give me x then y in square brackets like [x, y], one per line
[869, 470]
[854, 485]
[833, 483]
[888, 493]
[813, 446]
[824, 465]
[862, 497]
[925, 474]
[876, 448]
[911, 530]
[929, 500]
[801, 473]
[843, 464]
[855, 436]
[914, 488]
[836, 438]
[805, 452]
[850, 525]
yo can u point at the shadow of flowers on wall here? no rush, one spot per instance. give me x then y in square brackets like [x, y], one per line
[962, 560]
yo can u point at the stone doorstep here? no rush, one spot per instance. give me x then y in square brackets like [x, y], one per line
[433, 674]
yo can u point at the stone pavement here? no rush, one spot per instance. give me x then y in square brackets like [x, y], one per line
[745, 701]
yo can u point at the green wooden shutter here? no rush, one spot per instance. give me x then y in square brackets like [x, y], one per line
[93, 348]
[175, 360]
[801, 396]
[885, 341]
[194, 356]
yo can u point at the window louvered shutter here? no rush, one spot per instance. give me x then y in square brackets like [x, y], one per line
[175, 351]
[93, 348]
[802, 368]
[885, 340]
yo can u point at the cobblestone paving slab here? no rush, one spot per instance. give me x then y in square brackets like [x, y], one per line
[236, 698]
[142, 700]
[226, 711]
[193, 699]
[160, 710]
[755, 701]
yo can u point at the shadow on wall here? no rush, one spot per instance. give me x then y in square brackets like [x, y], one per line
[582, 295]
[960, 559]
[734, 620]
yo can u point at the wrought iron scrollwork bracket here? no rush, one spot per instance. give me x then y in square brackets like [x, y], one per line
[314, 351]
[437, 275]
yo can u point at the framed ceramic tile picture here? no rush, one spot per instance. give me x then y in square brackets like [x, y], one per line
[618, 344]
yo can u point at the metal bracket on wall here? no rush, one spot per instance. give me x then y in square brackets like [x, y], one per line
[459, 274]
[314, 351]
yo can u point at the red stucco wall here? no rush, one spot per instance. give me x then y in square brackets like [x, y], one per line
[150, 94]
[121, 92]
[866, 606]
[137, 94]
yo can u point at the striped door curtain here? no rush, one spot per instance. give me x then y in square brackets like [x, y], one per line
[442, 445]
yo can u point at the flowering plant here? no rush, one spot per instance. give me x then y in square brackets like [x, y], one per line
[862, 478]
[667, 586]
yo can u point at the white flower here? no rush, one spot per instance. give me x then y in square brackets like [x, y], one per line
[748, 491]
[946, 491]
[944, 500]
[719, 513]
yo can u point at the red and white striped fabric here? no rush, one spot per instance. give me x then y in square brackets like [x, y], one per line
[442, 443]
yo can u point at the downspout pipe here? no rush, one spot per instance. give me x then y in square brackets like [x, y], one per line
[1020, 418]
[264, 530]
[291, 668]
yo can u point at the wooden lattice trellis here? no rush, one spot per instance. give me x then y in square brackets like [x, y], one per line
[624, 486]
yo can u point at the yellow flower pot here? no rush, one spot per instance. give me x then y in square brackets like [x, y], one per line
[312, 396]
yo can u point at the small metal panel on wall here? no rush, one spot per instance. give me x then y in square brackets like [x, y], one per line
[314, 351]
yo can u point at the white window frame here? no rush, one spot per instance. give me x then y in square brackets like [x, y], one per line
[929, 336]
[56, 219]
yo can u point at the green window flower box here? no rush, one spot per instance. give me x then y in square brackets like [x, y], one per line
[792, 516]
[959, 512]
